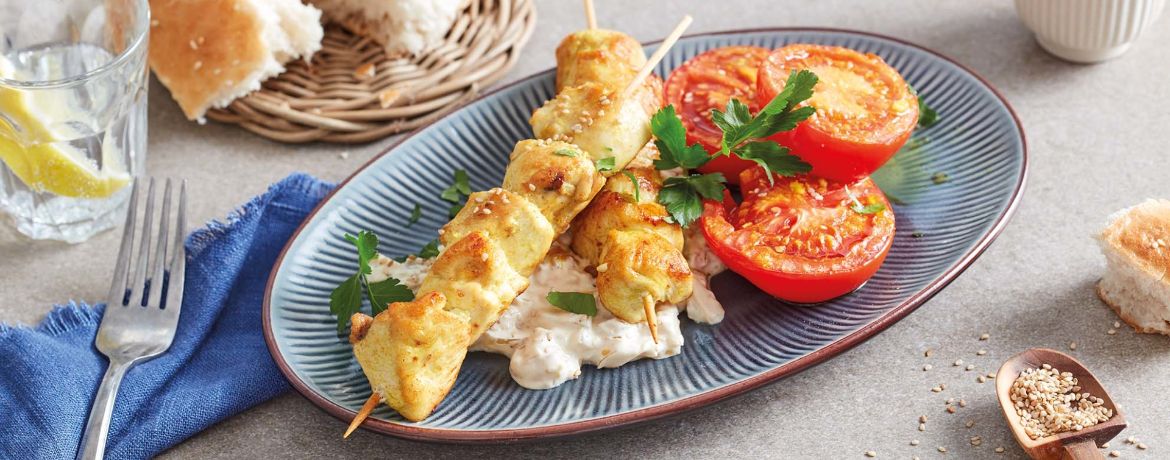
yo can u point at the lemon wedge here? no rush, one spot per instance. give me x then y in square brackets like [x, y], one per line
[40, 163]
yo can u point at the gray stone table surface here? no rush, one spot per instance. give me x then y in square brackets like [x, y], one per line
[1098, 140]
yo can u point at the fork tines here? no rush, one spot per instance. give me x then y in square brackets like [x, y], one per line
[146, 270]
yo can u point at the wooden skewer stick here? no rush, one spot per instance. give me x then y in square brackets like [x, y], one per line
[362, 414]
[590, 16]
[651, 316]
[655, 58]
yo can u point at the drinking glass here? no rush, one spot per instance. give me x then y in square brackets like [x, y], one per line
[72, 113]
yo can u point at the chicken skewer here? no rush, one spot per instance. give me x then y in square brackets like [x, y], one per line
[411, 352]
[637, 252]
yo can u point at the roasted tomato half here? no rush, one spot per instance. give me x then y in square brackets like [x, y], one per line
[804, 239]
[707, 82]
[865, 111]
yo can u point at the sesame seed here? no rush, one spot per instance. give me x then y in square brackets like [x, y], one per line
[914, 442]
[1116, 324]
[198, 65]
[921, 427]
[1111, 331]
[936, 389]
[486, 211]
[922, 419]
[602, 268]
[1142, 446]
[962, 403]
[981, 352]
[942, 449]
[1131, 440]
[1048, 403]
[1072, 346]
[970, 423]
[970, 367]
[193, 45]
[531, 187]
[951, 409]
[1105, 446]
[154, 22]
[958, 362]
[999, 450]
[991, 375]
[1114, 453]
[942, 386]
[927, 367]
[870, 453]
[985, 336]
[980, 379]
[928, 351]
[950, 400]
[484, 257]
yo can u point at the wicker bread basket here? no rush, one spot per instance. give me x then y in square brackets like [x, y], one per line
[352, 92]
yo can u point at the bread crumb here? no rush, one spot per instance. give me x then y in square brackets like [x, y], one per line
[365, 72]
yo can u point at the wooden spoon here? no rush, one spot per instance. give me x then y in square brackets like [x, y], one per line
[1072, 445]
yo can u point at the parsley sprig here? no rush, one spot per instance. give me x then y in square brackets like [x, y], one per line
[744, 136]
[346, 298]
[457, 192]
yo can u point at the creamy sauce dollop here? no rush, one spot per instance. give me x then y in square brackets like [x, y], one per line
[547, 346]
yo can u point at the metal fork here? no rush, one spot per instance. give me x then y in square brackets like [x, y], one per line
[143, 308]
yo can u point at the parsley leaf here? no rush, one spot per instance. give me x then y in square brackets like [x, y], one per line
[460, 187]
[414, 215]
[606, 164]
[429, 250]
[565, 152]
[682, 196]
[346, 298]
[927, 116]
[637, 189]
[671, 139]
[367, 247]
[774, 158]
[743, 135]
[385, 292]
[870, 209]
[580, 303]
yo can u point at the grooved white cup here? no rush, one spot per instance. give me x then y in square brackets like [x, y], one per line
[1088, 31]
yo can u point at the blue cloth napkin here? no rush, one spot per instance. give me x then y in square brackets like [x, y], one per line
[217, 366]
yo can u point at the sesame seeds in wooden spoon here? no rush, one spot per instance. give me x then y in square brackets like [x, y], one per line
[1078, 444]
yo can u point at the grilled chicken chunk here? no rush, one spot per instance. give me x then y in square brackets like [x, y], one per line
[559, 178]
[618, 211]
[411, 353]
[510, 222]
[475, 277]
[598, 55]
[636, 264]
[599, 120]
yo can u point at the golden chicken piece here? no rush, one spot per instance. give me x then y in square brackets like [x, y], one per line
[618, 211]
[510, 221]
[475, 277]
[600, 120]
[637, 270]
[598, 55]
[411, 353]
[558, 177]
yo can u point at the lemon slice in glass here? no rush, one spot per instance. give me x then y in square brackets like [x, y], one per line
[27, 146]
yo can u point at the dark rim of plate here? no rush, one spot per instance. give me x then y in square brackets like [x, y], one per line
[688, 403]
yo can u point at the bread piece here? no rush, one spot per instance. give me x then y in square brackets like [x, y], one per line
[402, 27]
[1136, 284]
[210, 52]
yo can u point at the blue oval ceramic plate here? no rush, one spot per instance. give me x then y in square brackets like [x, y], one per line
[941, 229]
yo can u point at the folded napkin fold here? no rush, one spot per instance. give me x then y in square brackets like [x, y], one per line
[217, 366]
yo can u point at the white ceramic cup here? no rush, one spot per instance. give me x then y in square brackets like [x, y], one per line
[1088, 31]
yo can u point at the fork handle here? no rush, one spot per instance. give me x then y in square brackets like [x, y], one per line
[93, 441]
